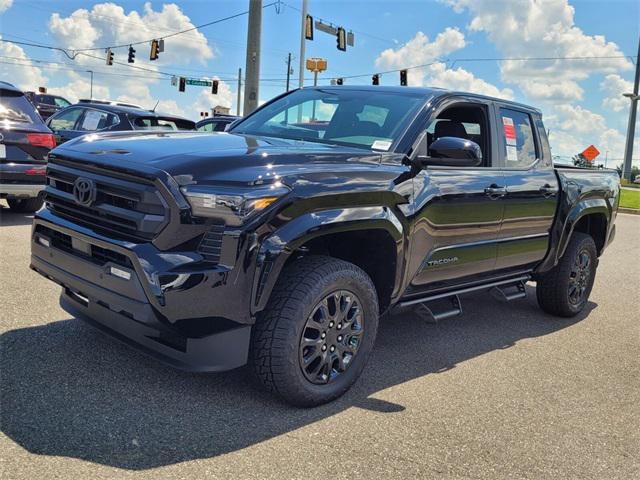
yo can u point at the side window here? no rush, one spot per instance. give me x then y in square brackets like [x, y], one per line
[462, 121]
[220, 126]
[65, 120]
[547, 159]
[517, 138]
[207, 127]
[96, 120]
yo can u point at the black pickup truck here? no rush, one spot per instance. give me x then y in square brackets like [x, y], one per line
[281, 242]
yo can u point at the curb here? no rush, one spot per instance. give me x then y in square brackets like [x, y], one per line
[632, 211]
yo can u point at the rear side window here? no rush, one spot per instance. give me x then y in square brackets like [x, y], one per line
[207, 127]
[14, 107]
[518, 139]
[159, 123]
[547, 159]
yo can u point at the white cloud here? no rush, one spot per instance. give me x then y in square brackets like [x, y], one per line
[420, 51]
[79, 86]
[108, 24]
[574, 128]
[526, 28]
[25, 76]
[5, 5]
[614, 86]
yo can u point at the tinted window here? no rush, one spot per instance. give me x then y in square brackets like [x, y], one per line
[517, 138]
[207, 127]
[16, 108]
[547, 159]
[65, 120]
[219, 126]
[335, 116]
[97, 120]
[46, 99]
[160, 123]
[61, 102]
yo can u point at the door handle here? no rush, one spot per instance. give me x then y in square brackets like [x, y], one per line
[494, 191]
[548, 190]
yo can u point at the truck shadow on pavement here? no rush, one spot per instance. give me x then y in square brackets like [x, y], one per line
[69, 391]
[12, 219]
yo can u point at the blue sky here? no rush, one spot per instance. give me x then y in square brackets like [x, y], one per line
[581, 98]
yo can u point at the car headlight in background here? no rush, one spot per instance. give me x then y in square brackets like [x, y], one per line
[234, 206]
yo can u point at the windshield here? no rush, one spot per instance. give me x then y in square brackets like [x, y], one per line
[355, 118]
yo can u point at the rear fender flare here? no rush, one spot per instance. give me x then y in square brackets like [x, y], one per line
[582, 208]
[277, 247]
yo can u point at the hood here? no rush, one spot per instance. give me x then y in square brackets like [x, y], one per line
[203, 158]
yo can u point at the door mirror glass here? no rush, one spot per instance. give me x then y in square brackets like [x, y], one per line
[452, 152]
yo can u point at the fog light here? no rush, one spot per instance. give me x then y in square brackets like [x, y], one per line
[44, 242]
[117, 272]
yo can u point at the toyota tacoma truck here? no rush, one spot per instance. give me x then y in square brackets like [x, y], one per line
[281, 242]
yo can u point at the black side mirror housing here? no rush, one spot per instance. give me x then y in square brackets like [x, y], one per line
[452, 152]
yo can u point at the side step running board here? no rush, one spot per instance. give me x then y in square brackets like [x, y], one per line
[506, 293]
[430, 315]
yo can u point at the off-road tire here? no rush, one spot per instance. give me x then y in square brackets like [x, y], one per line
[553, 287]
[276, 336]
[25, 205]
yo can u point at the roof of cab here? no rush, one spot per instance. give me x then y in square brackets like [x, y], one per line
[424, 91]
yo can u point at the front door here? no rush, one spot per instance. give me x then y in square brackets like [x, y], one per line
[458, 211]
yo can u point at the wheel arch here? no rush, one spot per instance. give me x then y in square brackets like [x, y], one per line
[590, 217]
[377, 233]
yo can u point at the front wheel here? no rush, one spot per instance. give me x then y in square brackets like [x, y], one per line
[312, 341]
[565, 289]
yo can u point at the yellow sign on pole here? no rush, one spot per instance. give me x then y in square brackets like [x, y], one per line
[316, 64]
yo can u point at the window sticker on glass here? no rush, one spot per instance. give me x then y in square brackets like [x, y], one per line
[512, 153]
[509, 131]
[381, 145]
[91, 120]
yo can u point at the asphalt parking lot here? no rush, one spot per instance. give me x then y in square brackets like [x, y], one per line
[503, 391]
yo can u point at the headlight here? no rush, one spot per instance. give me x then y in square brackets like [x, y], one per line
[234, 206]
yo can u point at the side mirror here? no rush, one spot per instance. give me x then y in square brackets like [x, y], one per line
[452, 152]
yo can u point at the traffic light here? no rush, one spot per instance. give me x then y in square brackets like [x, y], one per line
[154, 50]
[182, 84]
[214, 87]
[109, 59]
[339, 81]
[308, 27]
[132, 54]
[375, 80]
[341, 39]
[403, 78]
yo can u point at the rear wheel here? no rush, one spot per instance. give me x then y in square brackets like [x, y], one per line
[313, 339]
[25, 205]
[565, 290]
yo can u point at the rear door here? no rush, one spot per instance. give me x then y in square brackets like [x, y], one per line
[458, 209]
[532, 188]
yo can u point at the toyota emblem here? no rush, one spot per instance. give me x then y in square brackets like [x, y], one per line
[84, 191]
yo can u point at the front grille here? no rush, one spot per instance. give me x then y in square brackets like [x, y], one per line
[126, 209]
[98, 255]
[211, 243]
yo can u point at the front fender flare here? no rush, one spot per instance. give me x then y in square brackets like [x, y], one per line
[277, 247]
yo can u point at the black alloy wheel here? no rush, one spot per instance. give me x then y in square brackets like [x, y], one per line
[331, 337]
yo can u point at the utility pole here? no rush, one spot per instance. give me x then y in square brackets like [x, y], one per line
[239, 88]
[303, 22]
[252, 68]
[288, 70]
[628, 149]
[91, 72]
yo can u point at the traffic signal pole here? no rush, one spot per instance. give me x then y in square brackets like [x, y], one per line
[628, 148]
[239, 88]
[303, 21]
[252, 69]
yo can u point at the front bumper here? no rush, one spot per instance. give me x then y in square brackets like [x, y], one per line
[174, 307]
[13, 190]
